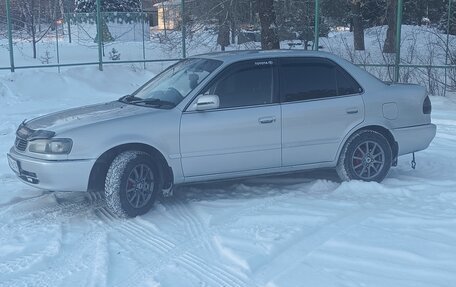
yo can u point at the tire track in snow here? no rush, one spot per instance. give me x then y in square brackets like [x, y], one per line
[195, 242]
[171, 254]
[61, 208]
[64, 265]
[5, 207]
[100, 268]
[191, 222]
[286, 260]
[135, 230]
[131, 231]
[186, 218]
[202, 267]
[24, 262]
[45, 216]
[58, 213]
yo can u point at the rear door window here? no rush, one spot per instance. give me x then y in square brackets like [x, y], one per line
[306, 79]
[313, 78]
[346, 85]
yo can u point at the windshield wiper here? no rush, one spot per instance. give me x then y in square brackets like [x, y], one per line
[153, 102]
[128, 99]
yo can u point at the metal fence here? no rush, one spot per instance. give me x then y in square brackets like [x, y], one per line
[423, 53]
[72, 40]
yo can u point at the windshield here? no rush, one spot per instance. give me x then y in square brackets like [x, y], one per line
[174, 84]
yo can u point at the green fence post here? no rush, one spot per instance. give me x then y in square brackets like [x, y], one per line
[143, 17]
[69, 28]
[317, 25]
[398, 39]
[100, 36]
[10, 35]
[447, 50]
[57, 43]
[184, 32]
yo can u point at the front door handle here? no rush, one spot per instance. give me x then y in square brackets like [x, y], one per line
[351, 111]
[267, 120]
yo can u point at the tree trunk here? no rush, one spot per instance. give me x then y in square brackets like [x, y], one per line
[33, 27]
[233, 30]
[223, 38]
[164, 18]
[33, 36]
[39, 16]
[389, 46]
[251, 14]
[61, 8]
[233, 14]
[358, 27]
[269, 35]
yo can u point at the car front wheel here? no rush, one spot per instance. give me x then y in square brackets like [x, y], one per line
[132, 183]
[366, 156]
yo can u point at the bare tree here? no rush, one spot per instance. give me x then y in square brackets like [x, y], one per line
[223, 38]
[224, 17]
[31, 12]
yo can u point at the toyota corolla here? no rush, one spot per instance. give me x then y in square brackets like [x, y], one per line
[226, 115]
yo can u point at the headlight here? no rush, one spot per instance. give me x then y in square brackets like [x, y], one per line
[51, 146]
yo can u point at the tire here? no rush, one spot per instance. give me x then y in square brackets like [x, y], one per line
[132, 184]
[366, 156]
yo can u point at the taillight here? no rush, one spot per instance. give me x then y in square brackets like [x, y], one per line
[427, 107]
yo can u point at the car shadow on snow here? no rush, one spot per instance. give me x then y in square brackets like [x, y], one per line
[251, 187]
[70, 204]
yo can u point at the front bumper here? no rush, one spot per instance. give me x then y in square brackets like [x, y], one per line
[413, 139]
[55, 175]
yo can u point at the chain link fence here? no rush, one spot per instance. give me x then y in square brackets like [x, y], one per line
[415, 50]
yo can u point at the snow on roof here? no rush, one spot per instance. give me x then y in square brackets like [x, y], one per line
[168, 3]
[257, 54]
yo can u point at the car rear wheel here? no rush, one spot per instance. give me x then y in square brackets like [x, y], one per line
[366, 156]
[132, 183]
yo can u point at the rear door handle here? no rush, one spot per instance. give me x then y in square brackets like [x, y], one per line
[351, 111]
[267, 120]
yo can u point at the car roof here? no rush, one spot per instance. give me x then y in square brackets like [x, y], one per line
[235, 56]
[230, 57]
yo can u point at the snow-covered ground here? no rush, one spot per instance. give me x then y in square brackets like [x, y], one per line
[300, 230]
[304, 229]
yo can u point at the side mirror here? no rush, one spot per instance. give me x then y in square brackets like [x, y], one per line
[207, 102]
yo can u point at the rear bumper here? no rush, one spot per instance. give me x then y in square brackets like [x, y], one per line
[60, 175]
[412, 139]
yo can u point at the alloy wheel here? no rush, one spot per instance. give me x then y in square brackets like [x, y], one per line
[368, 160]
[140, 186]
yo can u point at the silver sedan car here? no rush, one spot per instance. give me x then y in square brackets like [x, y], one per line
[226, 115]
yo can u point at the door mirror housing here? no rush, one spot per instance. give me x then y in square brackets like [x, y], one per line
[207, 102]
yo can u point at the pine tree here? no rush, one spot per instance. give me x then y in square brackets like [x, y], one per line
[106, 34]
[294, 20]
[443, 21]
[88, 6]
[373, 12]
[338, 11]
[414, 12]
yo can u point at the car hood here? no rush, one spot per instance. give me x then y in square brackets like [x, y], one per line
[77, 117]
